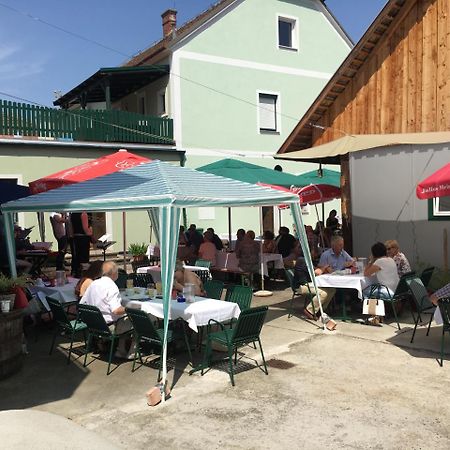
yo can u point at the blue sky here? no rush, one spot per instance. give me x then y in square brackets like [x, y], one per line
[37, 59]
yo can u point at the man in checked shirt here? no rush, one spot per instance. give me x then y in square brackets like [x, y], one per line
[443, 292]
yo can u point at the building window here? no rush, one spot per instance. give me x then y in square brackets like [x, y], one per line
[141, 104]
[287, 33]
[439, 208]
[268, 112]
[161, 102]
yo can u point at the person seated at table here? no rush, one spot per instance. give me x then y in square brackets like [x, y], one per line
[185, 251]
[104, 294]
[22, 246]
[194, 237]
[216, 239]
[393, 250]
[248, 253]
[184, 276]
[443, 292]
[269, 245]
[207, 248]
[303, 284]
[287, 246]
[384, 271]
[94, 272]
[335, 258]
[240, 235]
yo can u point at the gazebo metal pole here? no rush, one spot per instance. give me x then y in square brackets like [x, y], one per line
[262, 292]
[10, 246]
[124, 238]
[229, 228]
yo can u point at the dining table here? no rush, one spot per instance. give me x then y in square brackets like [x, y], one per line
[196, 314]
[229, 261]
[355, 281]
[64, 294]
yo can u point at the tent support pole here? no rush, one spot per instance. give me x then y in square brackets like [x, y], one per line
[10, 245]
[262, 292]
[124, 238]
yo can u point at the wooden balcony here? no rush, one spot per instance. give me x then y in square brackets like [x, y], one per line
[20, 119]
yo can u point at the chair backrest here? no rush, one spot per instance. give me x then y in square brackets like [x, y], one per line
[59, 314]
[94, 320]
[213, 289]
[142, 324]
[290, 277]
[249, 324]
[426, 276]
[444, 306]
[402, 287]
[203, 263]
[142, 279]
[122, 279]
[419, 293]
[242, 295]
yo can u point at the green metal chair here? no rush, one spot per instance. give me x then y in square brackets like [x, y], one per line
[145, 331]
[97, 327]
[444, 307]
[242, 295]
[71, 327]
[295, 293]
[213, 289]
[246, 331]
[121, 279]
[422, 301]
[203, 263]
[426, 275]
[401, 293]
[142, 279]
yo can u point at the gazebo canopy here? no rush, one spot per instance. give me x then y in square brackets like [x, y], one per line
[150, 185]
[163, 190]
[249, 173]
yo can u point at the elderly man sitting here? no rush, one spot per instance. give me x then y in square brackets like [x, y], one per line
[104, 294]
[335, 258]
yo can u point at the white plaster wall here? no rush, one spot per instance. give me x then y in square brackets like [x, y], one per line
[384, 202]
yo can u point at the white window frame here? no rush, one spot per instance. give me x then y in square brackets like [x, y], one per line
[294, 35]
[277, 112]
[436, 212]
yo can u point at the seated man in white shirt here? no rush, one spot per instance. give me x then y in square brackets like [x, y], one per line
[104, 294]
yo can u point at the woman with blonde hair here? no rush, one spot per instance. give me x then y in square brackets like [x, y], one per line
[393, 251]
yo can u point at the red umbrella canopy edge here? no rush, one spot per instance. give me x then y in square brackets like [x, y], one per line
[104, 165]
[436, 185]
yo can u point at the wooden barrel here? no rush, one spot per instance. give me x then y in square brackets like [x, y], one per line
[11, 330]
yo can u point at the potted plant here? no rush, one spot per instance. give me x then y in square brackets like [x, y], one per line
[8, 286]
[138, 251]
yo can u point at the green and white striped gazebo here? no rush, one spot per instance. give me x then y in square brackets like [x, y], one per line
[163, 190]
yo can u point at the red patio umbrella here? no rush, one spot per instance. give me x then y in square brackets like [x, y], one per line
[317, 193]
[104, 165]
[436, 185]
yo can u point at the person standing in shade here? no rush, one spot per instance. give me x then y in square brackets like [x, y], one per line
[82, 235]
[58, 221]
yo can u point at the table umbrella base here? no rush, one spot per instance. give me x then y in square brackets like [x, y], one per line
[262, 293]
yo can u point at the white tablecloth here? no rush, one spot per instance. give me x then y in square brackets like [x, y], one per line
[356, 281]
[195, 314]
[229, 261]
[155, 271]
[65, 294]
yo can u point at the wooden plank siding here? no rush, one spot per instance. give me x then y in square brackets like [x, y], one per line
[403, 86]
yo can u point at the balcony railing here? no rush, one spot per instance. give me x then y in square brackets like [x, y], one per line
[21, 119]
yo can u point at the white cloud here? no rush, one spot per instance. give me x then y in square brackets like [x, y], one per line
[13, 65]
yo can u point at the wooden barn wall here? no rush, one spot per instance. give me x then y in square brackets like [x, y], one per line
[404, 86]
